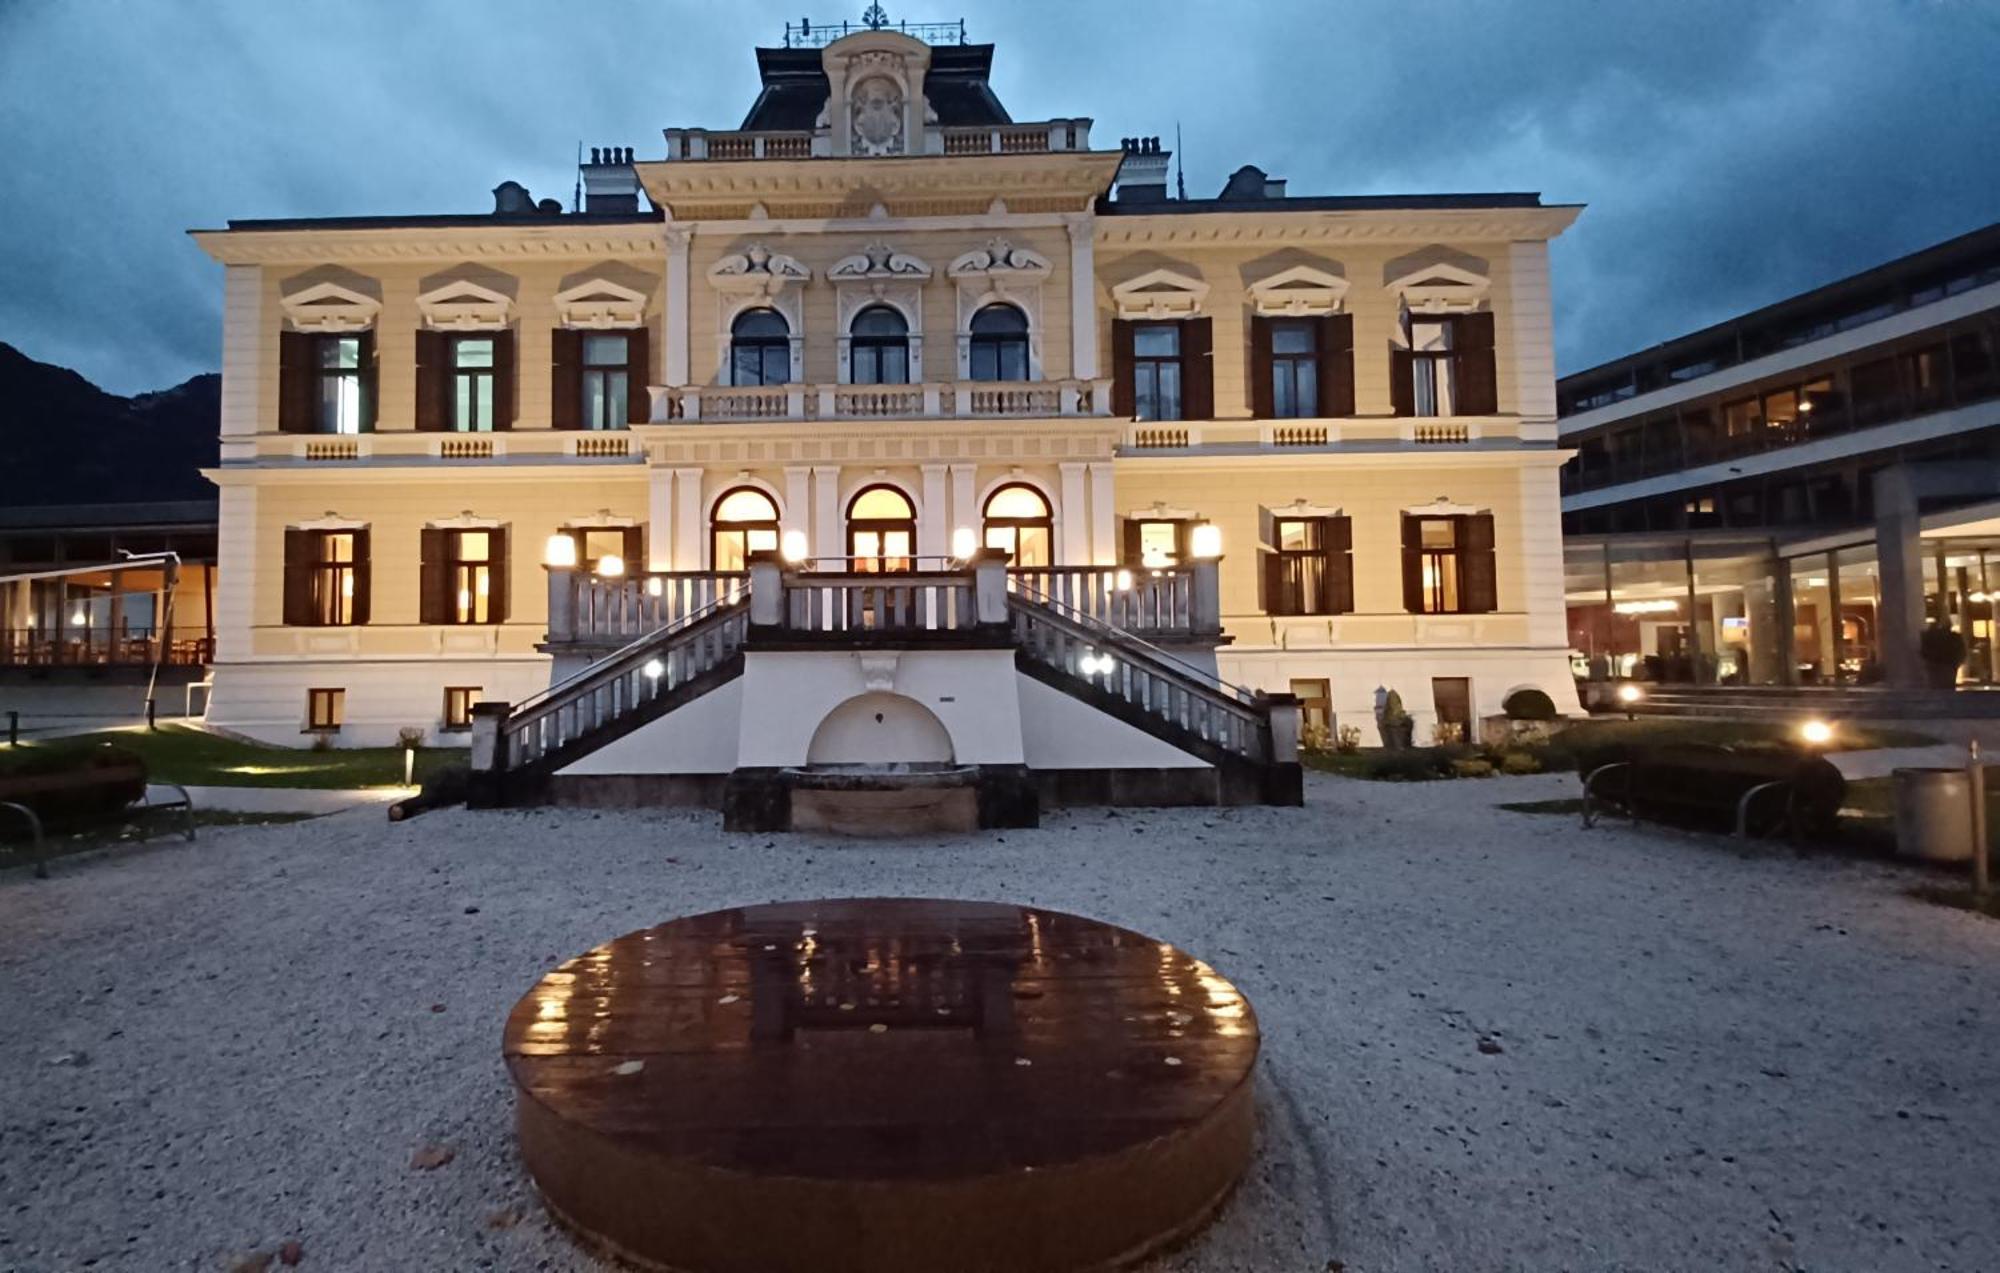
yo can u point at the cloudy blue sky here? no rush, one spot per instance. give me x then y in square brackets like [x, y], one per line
[1731, 151]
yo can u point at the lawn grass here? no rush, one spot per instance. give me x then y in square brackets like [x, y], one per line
[130, 828]
[196, 758]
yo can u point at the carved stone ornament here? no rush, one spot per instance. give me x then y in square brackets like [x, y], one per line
[876, 107]
[879, 260]
[758, 269]
[999, 256]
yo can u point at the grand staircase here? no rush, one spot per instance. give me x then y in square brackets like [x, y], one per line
[1096, 635]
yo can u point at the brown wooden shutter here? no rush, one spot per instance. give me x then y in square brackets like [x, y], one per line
[565, 379]
[503, 380]
[1338, 535]
[363, 576]
[1271, 585]
[295, 377]
[1124, 397]
[638, 374]
[1263, 401]
[1477, 582]
[1478, 386]
[1129, 535]
[434, 579]
[1413, 564]
[368, 379]
[301, 553]
[433, 353]
[1336, 365]
[1197, 369]
[1402, 382]
[635, 550]
[496, 588]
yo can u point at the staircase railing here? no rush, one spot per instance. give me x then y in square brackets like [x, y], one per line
[1142, 675]
[1166, 602]
[613, 687]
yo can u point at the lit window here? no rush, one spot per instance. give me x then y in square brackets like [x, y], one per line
[333, 577]
[1438, 542]
[1159, 544]
[745, 522]
[881, 530]
[1018, 523]
[337, 370]
[472, 576]
[1431, 368]
[326, 710]
[458, 701]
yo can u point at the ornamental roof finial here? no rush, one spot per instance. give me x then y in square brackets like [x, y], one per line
[875, 17]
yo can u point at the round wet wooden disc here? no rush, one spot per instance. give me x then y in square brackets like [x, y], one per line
[883, 1084]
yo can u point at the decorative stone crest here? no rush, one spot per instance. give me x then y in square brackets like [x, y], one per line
[879, 260]
[876, 109]
[1000, 257]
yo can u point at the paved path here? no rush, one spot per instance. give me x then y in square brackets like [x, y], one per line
[284, 799]
[1696, 1054]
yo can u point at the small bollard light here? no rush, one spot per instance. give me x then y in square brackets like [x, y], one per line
[409, 766]
[1816, 733]
[1630, 694]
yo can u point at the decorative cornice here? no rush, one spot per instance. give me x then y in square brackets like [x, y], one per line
[421, 243]
[1371, 226]
[691, 191]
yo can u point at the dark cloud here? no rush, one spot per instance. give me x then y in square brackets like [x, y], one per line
[1732, 153]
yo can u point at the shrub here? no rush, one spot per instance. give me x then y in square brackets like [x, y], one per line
[1473, 767]
[1519, 762]
[1528, 704]
[1447, 733]
[410, 737]
[1348, 740]
[1409, 764]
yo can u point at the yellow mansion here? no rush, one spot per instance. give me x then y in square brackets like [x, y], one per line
[881, 327]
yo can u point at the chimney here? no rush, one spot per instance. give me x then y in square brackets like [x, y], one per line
[1251, 182]
[610, 183]
[1142, 175]
[512, 198]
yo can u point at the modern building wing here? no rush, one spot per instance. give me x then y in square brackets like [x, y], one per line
[1793, 494]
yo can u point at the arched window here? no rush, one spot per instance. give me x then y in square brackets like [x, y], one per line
[1018, 523]
[878, 347]
[745, 521]
[999, 344]
[881, 530]
[760, 348]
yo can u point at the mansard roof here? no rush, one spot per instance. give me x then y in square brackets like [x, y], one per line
[1317, 203]
[796, 88]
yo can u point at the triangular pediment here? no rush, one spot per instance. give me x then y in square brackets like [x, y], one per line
[1160, 293]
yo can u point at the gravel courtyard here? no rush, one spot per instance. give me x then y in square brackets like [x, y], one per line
[1705, 1058]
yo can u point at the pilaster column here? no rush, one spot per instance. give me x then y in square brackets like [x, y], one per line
[659, 519]
[1103, 515]
[674, 336]
[688, 543]
[935, 527]
[1075, 517]
[1899, 558]
[827, 541]
[964, 500]
[797, 513]
[1082, 228]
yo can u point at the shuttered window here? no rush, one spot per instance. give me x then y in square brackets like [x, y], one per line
[465, 384]
[326, 382]
[1162, 371]
[326, 577]
[464, 576]
[1446, 367]
[1310, 567]
[1448, 564]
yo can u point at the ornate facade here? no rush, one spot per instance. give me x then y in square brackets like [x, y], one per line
[884, 323]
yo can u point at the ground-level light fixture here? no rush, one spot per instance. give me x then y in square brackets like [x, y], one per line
[964, 543]
[560, 552]
[610, 566]
[654, 669]
[793, 546]
[1630, 694]
[1205, 540]
[1816, 732]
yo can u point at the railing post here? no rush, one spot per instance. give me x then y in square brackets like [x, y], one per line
[487, 785]
[1205, 603]
[767, 591]
[989, 585]
[562, 603]
[1284, 718]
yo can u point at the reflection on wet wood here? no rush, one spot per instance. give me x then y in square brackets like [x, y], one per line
[881, 1084]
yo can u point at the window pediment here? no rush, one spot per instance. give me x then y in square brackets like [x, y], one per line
[1302, 507]
[463, 305]
[879, 261]
[999, 260]
[600, 304]
[758, 270]
[1159, 294]
[331, 521]
[1301, 291]
[329, 307]
[1441, 289]
[1442, 507]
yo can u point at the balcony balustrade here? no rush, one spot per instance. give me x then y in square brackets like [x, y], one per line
[692, 144]
[949, 400]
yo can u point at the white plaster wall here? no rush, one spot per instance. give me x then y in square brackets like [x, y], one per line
[786, 694]
[1354, 675]
[696, 738]
[267, 700]
[1059, 732]
[880, 728]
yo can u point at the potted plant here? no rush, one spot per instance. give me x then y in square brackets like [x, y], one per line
[1394, 723]
[1942, 651]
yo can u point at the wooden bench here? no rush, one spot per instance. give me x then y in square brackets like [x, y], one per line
[105, 781]
[1706, 785]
